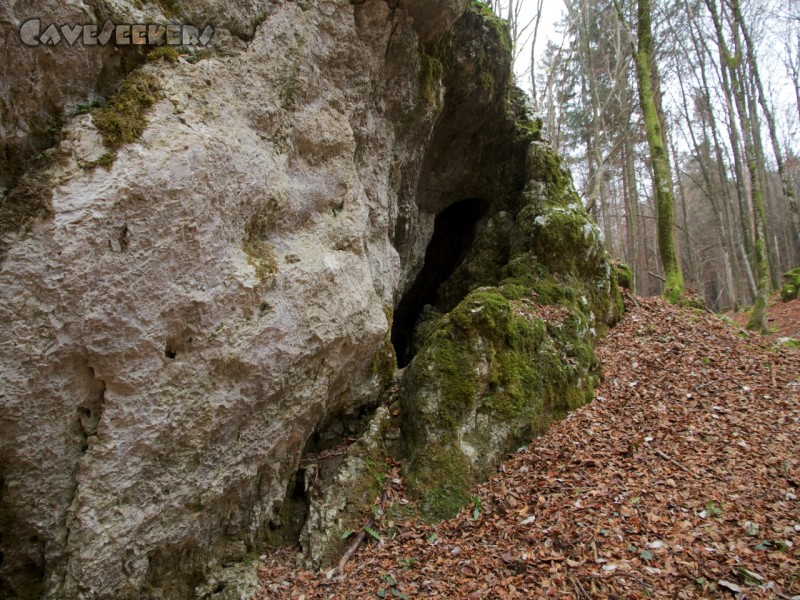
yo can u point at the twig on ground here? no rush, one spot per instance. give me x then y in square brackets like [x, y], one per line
[351, 550]
[339, 569]
[580, 591]
[630, 297]
[674, 462]
[697, 388]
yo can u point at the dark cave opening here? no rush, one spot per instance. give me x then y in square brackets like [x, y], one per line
[454, 231]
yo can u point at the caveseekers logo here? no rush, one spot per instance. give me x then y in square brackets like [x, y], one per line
[33, 34]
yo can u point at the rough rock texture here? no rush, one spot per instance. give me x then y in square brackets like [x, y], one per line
[42, 87]
[339, 488]
[179, 316]
[510, 358]
[179, 326]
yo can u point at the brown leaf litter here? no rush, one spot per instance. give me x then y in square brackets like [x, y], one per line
[681, 480]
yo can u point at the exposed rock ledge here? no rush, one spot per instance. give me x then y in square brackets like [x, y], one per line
[181, 315]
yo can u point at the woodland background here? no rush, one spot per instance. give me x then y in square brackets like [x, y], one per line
[725, 77]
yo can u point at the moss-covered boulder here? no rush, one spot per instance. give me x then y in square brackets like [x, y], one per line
[513, 355]
[791, 288]
[495, 372]
[624, 275]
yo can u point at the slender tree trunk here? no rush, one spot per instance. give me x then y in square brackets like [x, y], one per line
[719, 191]
[646, 246]
[725, 60]
[631, 208]
[538, 20]
[674, 285]
[761, 166]
[788, 191]
[758, 316]
[751, 281]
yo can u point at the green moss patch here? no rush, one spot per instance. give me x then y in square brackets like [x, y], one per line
[562, 238]
[260, 253]
[124, 119]
[431, 72]
[442, 480]
[624, 275]
[106, 160]
[482, 8]
[166, 53]
[384, 361]
[544, 165]
[791, 288]
[498, 358]
[498, 24]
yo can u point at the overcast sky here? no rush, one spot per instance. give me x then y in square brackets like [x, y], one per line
[551, 13]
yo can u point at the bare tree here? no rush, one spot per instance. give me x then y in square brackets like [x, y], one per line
[659, 159]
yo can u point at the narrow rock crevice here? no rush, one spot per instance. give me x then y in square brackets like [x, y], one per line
[89, 413]
[342, 448]
[286, 527]
[455, 229]
[87, 419]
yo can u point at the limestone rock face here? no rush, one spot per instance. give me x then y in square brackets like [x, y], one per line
[41, 87]
[172, 335]
[181, 315]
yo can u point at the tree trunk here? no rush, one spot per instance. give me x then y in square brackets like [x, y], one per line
[631, 209]
[758, 316]
[725, 60]
[788, 191]
[718, 191]
[662, 182]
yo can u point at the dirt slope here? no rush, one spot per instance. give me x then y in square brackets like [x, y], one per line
[679, 481]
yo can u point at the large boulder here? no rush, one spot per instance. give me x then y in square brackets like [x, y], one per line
[198, 282]
[513, 355]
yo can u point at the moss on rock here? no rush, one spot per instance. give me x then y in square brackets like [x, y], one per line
[442, 480]
[167, 53]
[545, 166]
[497, 370]
[431, 72]
[123, 119]
[384, 361]
[512, 356]
[624, 275]
[260, 254]
[791, 288]
[498, 24]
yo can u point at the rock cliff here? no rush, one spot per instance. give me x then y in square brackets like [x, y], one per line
[200, 279]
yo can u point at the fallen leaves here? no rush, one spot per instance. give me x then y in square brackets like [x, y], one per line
[683, 485]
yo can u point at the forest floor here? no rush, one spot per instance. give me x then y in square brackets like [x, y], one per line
[681, 480]
[784, 318]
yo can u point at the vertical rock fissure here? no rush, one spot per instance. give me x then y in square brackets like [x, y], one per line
[454, 232]
[87, 419]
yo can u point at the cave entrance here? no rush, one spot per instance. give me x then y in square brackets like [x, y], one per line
[454, 231]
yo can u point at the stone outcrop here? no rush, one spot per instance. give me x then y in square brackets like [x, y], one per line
[184, 312]
[42, 87]
[516, 353]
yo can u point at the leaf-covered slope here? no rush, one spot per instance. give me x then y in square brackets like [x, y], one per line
[679, 481]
